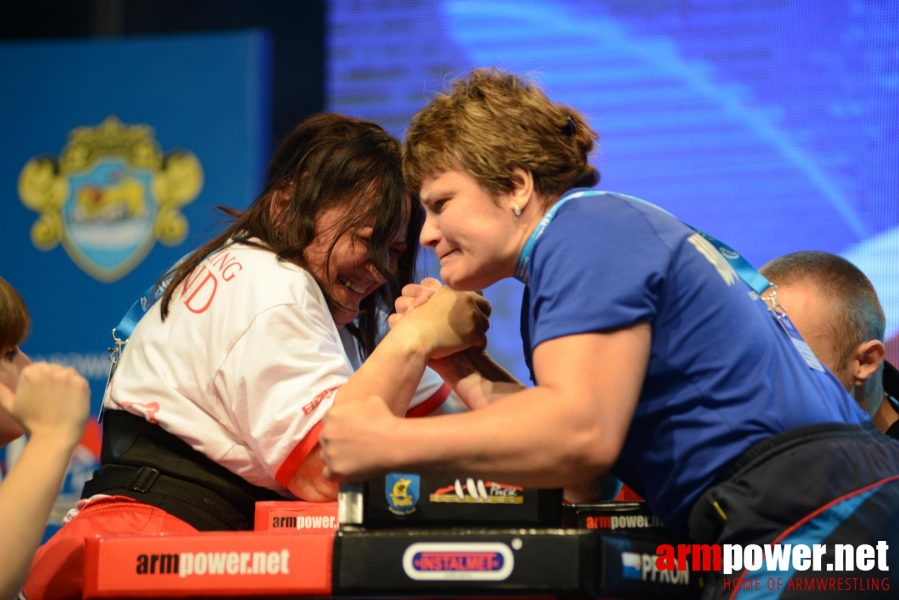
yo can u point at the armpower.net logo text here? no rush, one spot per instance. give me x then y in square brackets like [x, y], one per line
[805, 567]
[186, 564]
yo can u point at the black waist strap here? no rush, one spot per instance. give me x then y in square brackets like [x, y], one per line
[193, 504]
[787, 440]
[142, 461]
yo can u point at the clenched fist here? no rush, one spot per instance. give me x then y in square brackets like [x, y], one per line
[50, 400]
[445, 321]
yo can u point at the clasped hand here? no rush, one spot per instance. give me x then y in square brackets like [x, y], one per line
[446, 322]
[358, 439]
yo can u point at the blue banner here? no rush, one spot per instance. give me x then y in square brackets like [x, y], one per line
[114, 154]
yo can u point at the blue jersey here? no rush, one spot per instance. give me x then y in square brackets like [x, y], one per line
[722, 375]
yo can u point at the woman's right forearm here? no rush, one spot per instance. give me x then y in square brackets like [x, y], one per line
[26, 498]
[392, 373]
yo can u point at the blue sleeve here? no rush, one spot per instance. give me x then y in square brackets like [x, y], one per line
[598, 266]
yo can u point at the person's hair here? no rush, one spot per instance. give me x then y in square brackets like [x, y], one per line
[492, 121]
[328, 161]
[14, 318]
[858, 314]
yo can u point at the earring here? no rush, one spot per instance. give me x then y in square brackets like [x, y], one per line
[517, 210]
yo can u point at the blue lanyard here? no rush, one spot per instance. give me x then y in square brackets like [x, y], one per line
[746, 271]
[123, 331]
[524, 259]
[125, 328]
[755, 280]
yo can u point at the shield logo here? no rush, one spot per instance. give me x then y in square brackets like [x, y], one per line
[402, 491]
[110, 196]
[108, 218]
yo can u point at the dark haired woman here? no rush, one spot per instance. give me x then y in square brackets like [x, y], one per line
[218, 398]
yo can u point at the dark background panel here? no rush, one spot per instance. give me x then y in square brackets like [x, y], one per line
[297, 30]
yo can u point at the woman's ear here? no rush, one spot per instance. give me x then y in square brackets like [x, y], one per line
[523, 192]
[280, 198]
[10, 428]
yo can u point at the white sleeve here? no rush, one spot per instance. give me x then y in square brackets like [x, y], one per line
[278, 381]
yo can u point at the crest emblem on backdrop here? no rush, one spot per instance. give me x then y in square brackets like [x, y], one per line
[111, 194]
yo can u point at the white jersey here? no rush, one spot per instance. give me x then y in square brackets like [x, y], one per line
[245, 365]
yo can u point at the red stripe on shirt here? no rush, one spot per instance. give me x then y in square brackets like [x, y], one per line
[431, 404]
[302, 450]
[299, 454]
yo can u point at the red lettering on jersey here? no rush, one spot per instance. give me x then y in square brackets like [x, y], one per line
[226, 265]
[189, 280]
[204, 292]
[193, 303]
[317, 400]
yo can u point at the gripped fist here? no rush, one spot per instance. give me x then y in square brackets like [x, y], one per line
[356, 438]
[446, 321]
[50, 400]
[414, 294]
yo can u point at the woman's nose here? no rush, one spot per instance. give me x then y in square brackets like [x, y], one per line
[430, 233]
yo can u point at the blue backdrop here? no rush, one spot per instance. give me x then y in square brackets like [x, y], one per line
[113, 156]
[771, 125]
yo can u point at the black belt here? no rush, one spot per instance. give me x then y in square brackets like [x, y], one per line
[196, 505]
[142, 461]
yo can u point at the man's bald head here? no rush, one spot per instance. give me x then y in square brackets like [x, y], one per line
[835, 308]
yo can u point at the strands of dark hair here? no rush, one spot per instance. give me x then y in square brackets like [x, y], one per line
[327, 161]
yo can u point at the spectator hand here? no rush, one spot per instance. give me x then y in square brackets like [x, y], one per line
[50, 400]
